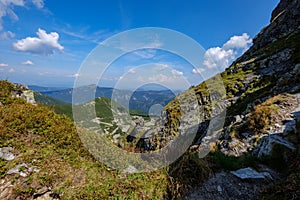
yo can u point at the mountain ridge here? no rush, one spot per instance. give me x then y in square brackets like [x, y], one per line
[141, 100]
[261, 134]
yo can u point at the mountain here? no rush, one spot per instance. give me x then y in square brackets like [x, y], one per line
[42, 157]
[45, 89]
[239, 133]
[269, 68]
[44, 99]
[260, 111]
[140, 100]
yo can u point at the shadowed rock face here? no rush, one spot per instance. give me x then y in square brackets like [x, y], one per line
[275, 55]
[284, 21]
[272, 60]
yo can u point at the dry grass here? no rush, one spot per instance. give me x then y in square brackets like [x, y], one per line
[49, 142]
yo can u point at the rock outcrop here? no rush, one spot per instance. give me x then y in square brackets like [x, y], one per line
[269, 68]
[262, 99]
[285, 20]
[23, 92]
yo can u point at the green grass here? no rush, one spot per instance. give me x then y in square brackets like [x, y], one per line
[189, 170]
[220, 161]
[62, 109]
[49, 142]
[264, 114]
[139, 113]
[102, 107]
[44, 99]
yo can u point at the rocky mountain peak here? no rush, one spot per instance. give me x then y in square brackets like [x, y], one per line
[285, 20]
[271, 67]
[282, 7]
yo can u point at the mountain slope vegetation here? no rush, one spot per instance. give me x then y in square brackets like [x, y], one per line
[49, 155]
[261, 130]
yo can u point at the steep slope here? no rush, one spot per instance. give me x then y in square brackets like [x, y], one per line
[42, 157]
[270, 67]
[263, 104]
[44, 99]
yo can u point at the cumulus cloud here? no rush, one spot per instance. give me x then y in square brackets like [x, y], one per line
[3, 64]
[44, 44]
[11, 70]
[221, 57]
[218, 57]
[198, 70]
[241, 42]
[27, 62]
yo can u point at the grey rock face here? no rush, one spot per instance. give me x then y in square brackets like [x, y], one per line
[266, 143]
[16, 170]
[5, 153]
[24, 93]
[285, 20]
[248, 173]
[225, 185]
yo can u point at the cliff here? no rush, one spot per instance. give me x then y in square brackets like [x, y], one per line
[262, 122]
[270, 67]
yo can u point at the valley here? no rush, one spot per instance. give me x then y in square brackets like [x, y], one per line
[234, 136]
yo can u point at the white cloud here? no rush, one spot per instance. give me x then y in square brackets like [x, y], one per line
[3, 64]
[198, 70]
[161, 67]
[6, 8]
[44, 44]
[27, 62]
[218, 57]
[221, 57]
[240, 42]
[176, 72]
[74, 75]
[11, 70]
[161, 78]
[145, 53]
[7, 35]
[38, 3]
[132, 71]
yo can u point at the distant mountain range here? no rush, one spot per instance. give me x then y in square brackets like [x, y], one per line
[140, 100]
[44, 88]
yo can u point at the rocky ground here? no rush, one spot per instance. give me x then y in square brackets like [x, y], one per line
[248, 183]
[243, 184]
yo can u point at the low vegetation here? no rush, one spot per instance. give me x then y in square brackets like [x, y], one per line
[264, 114]
[49, 142]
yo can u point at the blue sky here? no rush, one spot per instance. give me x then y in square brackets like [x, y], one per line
[44, 42]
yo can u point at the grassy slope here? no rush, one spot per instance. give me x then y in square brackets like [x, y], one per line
[49, 142]
[45, 100]
[67, 167]
[103, 109]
